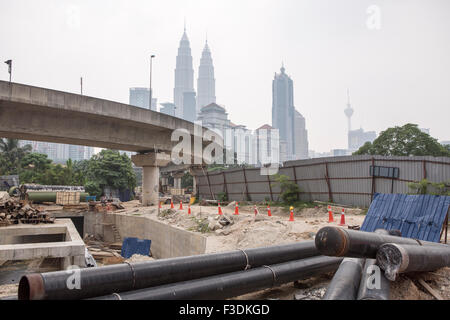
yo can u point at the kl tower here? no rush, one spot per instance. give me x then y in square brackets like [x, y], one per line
[349, 112]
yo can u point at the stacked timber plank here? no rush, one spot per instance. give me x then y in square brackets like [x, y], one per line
[67, 197]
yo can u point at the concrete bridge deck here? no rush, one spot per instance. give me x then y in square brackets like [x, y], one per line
[39, 114]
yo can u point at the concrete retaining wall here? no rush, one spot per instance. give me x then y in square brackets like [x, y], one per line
[167, 241]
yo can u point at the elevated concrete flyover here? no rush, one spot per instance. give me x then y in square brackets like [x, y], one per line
[39, 114]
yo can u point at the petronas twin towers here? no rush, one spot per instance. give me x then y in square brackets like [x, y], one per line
[184, 93]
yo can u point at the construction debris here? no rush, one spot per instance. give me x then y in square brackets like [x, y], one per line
[15, 211]
[104, 253]
[104, 206]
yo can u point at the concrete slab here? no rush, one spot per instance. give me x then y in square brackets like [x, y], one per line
[71, 249]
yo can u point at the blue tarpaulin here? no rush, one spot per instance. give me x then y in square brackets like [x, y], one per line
[131, 246]
[416, 216]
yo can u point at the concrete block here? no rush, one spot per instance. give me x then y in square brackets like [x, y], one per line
[26, 251]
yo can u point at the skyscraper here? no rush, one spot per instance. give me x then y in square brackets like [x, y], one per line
[58, 152]
[184, 75]
[168, 108]
[283, 108]
[301, 145]
[189, 106]
[77, 153]
[139, 97]
[290, 123]
[206, 84]
[356, 138]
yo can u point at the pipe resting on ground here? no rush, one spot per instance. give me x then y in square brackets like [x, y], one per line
[396, 258]
[234, 284]
[100, 281]
[339, 242]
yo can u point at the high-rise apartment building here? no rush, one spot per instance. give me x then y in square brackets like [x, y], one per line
[139, 97]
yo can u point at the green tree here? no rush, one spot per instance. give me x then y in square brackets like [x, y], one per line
[365, 149]
[109, 168]
[11, 155]
[187, 180]
[35, 168]
[56, 175]
[447, 147]
[79, 172]
[408, 140]
[428, 187]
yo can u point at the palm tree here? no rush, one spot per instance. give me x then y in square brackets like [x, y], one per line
[12, 154]
[10, 145]
[7, 145]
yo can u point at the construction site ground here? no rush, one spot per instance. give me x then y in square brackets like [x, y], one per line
[230, 232]
[250, 231]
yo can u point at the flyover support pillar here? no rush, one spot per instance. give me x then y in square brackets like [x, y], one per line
[150, 164]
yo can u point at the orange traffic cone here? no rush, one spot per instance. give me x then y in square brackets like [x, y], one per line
[342, 218]
[291, 218]
[256, 210]
[171, 204]
[330, 215]
[236, 210]
[189, 209]
[269, 212]
[220, 210]
[160, 205]
[181, 205]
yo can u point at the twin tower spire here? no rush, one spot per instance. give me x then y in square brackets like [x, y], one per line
[184, 90]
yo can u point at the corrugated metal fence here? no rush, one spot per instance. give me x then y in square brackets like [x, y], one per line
[343, 180]
[416, 216]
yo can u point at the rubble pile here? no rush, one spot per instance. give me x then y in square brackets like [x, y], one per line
[15, 211]
[105, 206]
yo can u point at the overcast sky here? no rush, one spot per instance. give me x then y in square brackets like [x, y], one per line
[397, 73]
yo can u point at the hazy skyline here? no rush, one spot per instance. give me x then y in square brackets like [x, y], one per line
[397, 74]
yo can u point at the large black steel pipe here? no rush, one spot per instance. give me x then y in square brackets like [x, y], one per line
[395, 258]
[374, 285]
[234, 284]
[345, 283]
[339, 242]
[126, 277]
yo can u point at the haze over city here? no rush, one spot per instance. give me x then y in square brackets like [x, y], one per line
[249, 151]
[396, 74]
